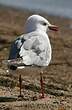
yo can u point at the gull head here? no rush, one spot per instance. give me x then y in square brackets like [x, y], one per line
[38, 23]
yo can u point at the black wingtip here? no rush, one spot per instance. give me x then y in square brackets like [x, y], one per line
[12, 67]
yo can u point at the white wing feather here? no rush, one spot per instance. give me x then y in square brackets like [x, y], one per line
[34, 51]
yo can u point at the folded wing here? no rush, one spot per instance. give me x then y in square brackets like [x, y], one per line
[34, 51]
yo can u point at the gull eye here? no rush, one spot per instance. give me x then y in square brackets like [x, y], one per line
[44, 24]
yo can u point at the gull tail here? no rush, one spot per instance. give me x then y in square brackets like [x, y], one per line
[13, 64]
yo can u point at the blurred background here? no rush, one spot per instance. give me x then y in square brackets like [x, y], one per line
[55, 7]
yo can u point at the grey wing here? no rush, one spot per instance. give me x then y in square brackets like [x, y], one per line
[15, 48]
[13, 51]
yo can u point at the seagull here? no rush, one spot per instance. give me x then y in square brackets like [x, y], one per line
[34, 46]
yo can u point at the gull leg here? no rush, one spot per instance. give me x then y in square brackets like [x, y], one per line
[42, 84]
[20, 84]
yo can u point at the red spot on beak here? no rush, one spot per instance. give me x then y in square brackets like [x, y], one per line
[53, 27]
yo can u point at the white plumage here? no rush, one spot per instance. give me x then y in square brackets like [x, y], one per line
[34, 46]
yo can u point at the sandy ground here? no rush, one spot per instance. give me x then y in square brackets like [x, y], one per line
[57, 76]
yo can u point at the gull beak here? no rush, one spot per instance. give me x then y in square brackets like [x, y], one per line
[53, 27]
